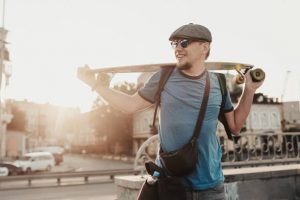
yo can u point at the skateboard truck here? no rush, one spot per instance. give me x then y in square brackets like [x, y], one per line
[256, 74]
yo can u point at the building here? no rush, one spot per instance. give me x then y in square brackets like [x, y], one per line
[47, 124]
[141, 127]
[15, 143]
[265, 115]
[5, 73]
[291, 116]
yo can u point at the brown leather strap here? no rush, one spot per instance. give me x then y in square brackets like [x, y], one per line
[202, 108]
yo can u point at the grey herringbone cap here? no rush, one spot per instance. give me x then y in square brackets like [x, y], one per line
[193, 31]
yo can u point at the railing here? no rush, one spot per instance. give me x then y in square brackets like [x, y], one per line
[144, 154]
[248, 149]
[64, 175]
[245, 150]
[261, 149]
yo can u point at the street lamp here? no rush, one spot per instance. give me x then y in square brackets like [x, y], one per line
[4, 56]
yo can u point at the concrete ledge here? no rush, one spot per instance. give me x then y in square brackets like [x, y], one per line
[128, 186]
[133, 182]
[274, 182]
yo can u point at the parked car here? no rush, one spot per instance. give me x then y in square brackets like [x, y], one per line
[36, 161]
[13, 168]
[3, 171]
[56, 151]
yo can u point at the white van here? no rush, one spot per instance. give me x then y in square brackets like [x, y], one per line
[36, 161]
[3, 171]
[56, 151]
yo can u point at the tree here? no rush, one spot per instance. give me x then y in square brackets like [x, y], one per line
[19, 120]
[113, 125]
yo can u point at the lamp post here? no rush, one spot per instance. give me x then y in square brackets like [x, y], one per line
[2, 58]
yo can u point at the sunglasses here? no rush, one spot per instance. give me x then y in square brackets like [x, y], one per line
[184, 43]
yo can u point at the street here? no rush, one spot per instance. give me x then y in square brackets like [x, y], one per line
[79, 162]
[105, 191]
[103, 188]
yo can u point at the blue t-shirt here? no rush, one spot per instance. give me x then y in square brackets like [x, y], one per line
[180, 104]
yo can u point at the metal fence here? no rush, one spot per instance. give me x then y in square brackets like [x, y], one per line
[248, 149]
[58, 176]
[261, 149]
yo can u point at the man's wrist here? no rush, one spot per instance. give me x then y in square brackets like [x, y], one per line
[94, 86]
[250, 90]
[102, 81]
[98, 87]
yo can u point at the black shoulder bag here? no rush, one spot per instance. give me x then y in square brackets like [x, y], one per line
[182, 162]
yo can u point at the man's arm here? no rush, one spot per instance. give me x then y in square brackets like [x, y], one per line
[119, 100]
[238, 116]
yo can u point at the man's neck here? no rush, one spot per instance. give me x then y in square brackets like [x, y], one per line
[196, 69]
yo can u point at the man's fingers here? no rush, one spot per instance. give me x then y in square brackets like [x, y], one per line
[103, 79]
[248, 74]
[84, 71]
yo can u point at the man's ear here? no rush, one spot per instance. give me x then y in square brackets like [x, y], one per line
[206, 47]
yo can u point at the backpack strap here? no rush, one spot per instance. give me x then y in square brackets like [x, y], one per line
[164, 76]
[221, 117]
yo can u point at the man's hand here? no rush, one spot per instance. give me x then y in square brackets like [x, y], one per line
[103, 80]
[93, 80]
[238, 116]
[84, 74]
[250, 85]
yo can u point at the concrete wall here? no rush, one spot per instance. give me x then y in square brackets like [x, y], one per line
[273, 184]
[261, 183]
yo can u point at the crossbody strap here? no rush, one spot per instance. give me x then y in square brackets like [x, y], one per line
[202, 109]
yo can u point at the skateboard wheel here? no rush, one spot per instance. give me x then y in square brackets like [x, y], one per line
[257, 75]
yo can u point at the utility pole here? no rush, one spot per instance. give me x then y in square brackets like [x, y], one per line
[283, 119]
[285, 84]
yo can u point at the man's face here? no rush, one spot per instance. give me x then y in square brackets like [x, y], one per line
[188, 52]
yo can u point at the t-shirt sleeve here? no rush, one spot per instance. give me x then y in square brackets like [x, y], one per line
[148, 92]
[228, 106]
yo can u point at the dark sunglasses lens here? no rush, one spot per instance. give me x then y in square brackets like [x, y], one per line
[184, 43]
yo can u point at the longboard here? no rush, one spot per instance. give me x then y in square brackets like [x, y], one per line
[156, 67]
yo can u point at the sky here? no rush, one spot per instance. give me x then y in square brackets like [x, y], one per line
[50, 39]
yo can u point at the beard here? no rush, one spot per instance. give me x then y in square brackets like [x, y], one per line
[183, 66]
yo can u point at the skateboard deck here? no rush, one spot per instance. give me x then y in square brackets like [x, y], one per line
[156, 67]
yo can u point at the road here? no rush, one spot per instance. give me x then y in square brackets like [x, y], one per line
[103, 191]
[71, 189]
[86, 163]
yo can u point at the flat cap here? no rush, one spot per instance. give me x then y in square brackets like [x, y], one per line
[193, 31]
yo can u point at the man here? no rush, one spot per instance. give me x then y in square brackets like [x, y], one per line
[180, 104]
